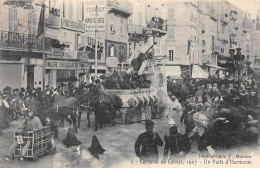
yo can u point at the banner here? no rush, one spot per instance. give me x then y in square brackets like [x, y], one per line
[95, 20]
[56, 64]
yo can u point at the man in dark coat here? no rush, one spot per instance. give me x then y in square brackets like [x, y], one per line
[149, 141]
[175, 143]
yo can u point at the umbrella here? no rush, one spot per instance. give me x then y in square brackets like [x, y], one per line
[62, 80]
[72, 79]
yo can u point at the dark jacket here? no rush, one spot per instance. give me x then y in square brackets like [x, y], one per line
[149, 143]
[175, 144]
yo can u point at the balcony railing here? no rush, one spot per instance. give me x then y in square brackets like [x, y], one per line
[222, 37]
[224, 20]
[233, 15]
[232, 31]
[135, 29]
[20, 41]
[158, 23]
[123, 6]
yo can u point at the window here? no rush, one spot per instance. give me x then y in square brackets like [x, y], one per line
[171, 13]
[140, 18]
[112, 18]
[171, 32]
[171, 55]
[121, 27]
[64, 9]
[13, 22]
[79, 10]
[71, 11]
[112, 51]
[31, 22]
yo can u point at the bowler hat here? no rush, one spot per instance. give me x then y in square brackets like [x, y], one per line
[173, 130]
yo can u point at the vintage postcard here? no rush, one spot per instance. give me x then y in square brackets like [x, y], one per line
[129, 83]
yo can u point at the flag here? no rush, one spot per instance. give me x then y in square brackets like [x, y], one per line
[188, 50]
[41, 23]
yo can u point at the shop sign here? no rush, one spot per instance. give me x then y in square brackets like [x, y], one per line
[10, 58]
[55, 64]
[72, 25]
[53, 21]
[95, 21]
[34, 61]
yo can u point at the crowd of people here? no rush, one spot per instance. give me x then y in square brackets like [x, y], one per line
[203, 114]
[191, 99]
[213, 90]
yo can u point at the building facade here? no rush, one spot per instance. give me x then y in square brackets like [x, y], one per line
[20, 48]
[220, 35]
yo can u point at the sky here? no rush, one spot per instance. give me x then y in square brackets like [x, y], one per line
[249, 6]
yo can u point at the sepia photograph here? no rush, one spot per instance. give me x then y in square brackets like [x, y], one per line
[129, 84]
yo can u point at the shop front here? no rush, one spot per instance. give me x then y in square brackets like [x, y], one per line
[20, 69]
[58, 71]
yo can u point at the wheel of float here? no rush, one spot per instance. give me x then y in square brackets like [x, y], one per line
[35, 157]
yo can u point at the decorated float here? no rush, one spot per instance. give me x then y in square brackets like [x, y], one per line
[142, 88]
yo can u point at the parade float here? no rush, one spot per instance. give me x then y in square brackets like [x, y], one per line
[142, 88]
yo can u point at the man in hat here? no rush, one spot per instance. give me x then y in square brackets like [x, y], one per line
[175, 143]
[149, 141]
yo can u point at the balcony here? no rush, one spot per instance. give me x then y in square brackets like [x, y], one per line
[135, 29]
[122, 6]
[233, 15]
[157, 26]
[224, 20]
[222, 37]
[214, 16]
[23, 42]
[232, 32]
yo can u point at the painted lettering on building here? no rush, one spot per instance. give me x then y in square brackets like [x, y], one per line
[53, 64]
[95, 16]
[72, 25]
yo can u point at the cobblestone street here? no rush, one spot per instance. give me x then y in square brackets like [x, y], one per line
[118, 141]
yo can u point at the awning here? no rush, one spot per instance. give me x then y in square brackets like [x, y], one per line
[174, 71]
[198, 72]
[255, 71]
[99, 67]
[214, 66]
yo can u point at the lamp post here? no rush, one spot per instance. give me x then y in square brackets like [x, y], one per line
[96, 44]
[248, 63]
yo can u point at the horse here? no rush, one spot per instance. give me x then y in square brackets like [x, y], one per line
[67, 108]
[104, 105]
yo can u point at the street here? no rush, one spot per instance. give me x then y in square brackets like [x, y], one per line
[118, 141]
